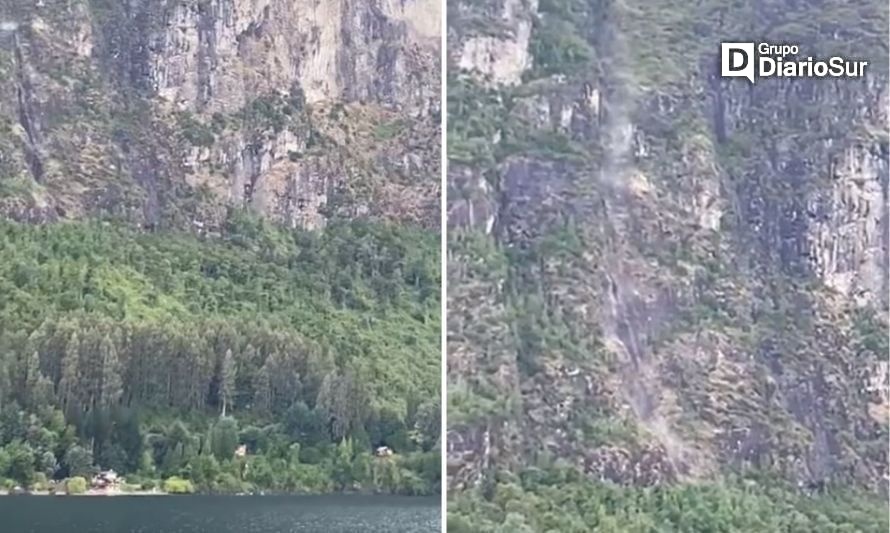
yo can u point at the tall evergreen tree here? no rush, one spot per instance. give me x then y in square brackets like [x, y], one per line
[227, 380]
[70, 369]
[344, 400]
[112, 385]
[30, 378]
[262, 389]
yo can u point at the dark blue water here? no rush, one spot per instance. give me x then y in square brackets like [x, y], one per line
[218, 514]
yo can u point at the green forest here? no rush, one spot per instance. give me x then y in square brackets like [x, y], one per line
[560, 499]
[159, 354]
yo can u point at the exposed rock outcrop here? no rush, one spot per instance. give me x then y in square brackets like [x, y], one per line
[181, 109]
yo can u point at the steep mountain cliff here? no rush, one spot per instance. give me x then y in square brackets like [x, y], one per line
[163, 113]
[658, 275]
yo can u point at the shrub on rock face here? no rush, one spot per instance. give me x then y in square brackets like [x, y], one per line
[76, 485]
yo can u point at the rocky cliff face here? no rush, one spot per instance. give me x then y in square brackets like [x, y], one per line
[167, 112]
[657, 274]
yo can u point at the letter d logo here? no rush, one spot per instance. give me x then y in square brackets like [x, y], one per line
[737, 60]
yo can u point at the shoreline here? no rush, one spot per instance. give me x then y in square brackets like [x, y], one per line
[93, 493]
[88, 493]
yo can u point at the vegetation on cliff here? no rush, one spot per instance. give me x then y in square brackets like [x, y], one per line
[640, 242]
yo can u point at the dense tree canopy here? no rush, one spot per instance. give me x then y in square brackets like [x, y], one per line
[561, 499]
[158, 354]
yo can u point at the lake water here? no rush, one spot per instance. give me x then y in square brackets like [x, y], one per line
[218, 514]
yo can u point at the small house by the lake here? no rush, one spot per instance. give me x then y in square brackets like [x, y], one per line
[107, 479]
